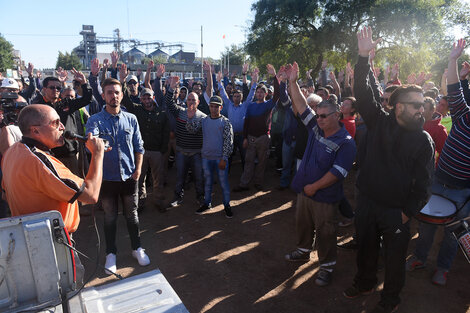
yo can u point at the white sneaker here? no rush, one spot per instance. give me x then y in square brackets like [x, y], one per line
[141, 257]
[110, 265]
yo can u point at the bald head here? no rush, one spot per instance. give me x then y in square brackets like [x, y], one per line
[32, 115]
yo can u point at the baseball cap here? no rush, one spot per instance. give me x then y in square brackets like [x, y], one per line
[10, 83]
[131, 77]
[216, 100]
[146, 91]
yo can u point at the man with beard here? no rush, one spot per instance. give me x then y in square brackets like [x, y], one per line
[155, 130]
[393, 181]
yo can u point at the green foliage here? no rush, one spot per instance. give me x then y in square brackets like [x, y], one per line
[237, 54]
[6, 54]
[415, 33]
[68, 61]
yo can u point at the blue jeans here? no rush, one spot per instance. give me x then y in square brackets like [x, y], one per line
[449, 245]
[111, 192]
[183, 161]
[287, 159]
[209, 167]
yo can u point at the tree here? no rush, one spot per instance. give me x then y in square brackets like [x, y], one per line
[68, 61]
[237, 55]
[6, 54]
[306, 31]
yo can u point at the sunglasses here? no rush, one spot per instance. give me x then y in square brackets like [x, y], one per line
[324, 115]
[55, 124]
[58, 88]
[416, 105]
[132, 83]
[384, 99]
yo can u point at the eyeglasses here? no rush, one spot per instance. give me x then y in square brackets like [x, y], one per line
[54, 123]
[132, 83]
[58, 88]
[416, 105]
[384, 99]
[324, 115]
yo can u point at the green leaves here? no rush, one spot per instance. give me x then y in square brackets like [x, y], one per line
[68, 61]
[6, 54]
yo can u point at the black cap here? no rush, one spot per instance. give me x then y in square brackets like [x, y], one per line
[216, 100]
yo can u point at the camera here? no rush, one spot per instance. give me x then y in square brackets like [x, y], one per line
[11, 107]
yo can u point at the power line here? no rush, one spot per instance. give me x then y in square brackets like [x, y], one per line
[42, 35]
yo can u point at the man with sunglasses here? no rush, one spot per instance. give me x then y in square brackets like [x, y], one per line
[68, 111]
[328, 158]
[393, 181]
[35, 181]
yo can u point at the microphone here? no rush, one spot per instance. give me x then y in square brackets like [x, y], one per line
[72, 136]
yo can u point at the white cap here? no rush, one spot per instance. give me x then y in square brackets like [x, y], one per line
[131, 77]
[10, 83]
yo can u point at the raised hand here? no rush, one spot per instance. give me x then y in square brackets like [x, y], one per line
[206, 66]
[421, 79]
[341, 76]
[255, 75]
[219, 76]
[281, 74]
[271, 70]
[150, 65]
[106, 63]
[364, 41]
[38, 74]
[245, 68]
[225, 72]
[411, 79]
[464, 71]
[309, 73]
[457, 49]
[349, 69]
[30, 69]
[160, 70]
[372, 55]
[78, 76]
[95, 67]
[332, 76]
[62, 74]
[395, 71]
[114, 59]
[293, 72]
[122, 72]
[174, 82]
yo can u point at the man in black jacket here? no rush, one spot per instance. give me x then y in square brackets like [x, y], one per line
[393, 181]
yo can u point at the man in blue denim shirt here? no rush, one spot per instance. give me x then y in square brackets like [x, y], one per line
[121, 170]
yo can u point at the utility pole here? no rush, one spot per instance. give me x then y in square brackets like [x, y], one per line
[202, 56]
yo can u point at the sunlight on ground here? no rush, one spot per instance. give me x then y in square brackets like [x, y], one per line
[186, 245]
[214, 302]
[233, 252]
[283, 207]
[168, 228]
[297, 281]
[253, 196]
[181, 276]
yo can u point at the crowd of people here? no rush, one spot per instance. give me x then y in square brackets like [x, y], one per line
[405, 140]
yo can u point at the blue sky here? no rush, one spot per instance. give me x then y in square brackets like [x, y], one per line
[40, 29]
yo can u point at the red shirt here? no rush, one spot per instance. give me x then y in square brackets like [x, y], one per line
[438, 133]
[350, 125]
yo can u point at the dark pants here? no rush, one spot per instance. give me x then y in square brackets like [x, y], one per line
[237, 145]
[111, 191]
[373, 221]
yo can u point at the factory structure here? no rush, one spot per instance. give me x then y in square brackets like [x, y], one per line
[178, 62]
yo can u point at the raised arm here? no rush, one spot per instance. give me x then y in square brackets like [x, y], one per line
[147, 75]
[208, 70]
[94, 70]
[298, 99]
[457, 105]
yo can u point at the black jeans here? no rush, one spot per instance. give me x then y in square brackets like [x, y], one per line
[111, 191]
[373, 221]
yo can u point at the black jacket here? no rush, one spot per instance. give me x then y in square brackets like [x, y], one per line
[397, 164]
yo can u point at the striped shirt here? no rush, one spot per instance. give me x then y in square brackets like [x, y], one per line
[453, 167]
[185, 141]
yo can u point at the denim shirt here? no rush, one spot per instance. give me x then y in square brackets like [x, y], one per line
[122, 132]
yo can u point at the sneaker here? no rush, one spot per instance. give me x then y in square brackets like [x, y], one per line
[110, 265]
[350, 245]
[440, 277]
[203, 209]
[298, 255]
[413, 263]
[323, 277]
[353, 292]
[228, 211]
[384, 308]
[176, 201]
[141, 257]
[240, 188]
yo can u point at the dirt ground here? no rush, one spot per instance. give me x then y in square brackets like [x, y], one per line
[225, 265]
